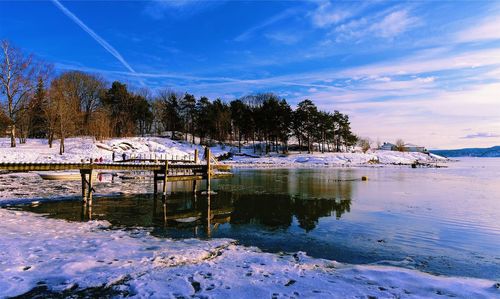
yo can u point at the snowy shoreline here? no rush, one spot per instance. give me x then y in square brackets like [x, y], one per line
[62, 257]
[81, 148]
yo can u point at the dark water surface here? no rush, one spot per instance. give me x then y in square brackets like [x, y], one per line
[442, 221]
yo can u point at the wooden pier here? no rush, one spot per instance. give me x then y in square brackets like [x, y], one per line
[163, 170]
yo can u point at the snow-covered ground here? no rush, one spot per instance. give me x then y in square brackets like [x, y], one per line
[84, 148]
[76, 149]
[49, 257]
[374, 158]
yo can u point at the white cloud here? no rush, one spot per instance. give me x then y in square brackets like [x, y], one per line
[394, 24]
[386, 25]
[417, 64]
[158, 9]
[486, 30]
[481, 135]
[413, 118]
[274, 19]
[426, 79]
[326, 15]
[286, 38]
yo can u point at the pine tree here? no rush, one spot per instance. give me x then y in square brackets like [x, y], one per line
[38, 128]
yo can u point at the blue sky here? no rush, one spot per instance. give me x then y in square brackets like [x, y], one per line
[424, 71]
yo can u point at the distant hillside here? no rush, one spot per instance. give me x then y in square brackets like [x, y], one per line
[470, 152]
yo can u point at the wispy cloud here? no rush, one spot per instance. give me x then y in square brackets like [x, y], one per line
[485, 30]
[388, 26]
[423, 64]
[274, 19]
[158, 9]
[481, 135]
[287, 38]
[394, 24]
[327, 14]
[94, 35]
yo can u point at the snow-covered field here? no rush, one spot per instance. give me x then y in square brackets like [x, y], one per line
[84, 148]
[375, 158]
[37, 150]
[49, 257]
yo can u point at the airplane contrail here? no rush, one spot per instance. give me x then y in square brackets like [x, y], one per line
[94, 35]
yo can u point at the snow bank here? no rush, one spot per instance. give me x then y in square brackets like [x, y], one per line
[76, 149]
[83, 148]
[339, 159]
[69, 258]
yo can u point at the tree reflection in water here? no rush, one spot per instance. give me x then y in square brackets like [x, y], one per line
[269, 201]
[185, 211]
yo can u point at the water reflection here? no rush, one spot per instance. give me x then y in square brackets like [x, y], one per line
[199, 214]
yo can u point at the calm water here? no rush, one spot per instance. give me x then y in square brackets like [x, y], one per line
[442, 221]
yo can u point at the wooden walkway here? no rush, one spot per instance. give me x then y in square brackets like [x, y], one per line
[163, 170]
[126, 166]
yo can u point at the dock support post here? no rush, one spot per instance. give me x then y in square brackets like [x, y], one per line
[155, 182]
[90, 189]
[209, 216]
[196, 156]
[164, 197]
[165, 175]
[209, 170]
[84, 184]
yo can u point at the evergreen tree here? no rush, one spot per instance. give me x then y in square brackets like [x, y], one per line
[188, 108]
[202, 119]
[142, 114]
[238, 119]
[119, 103]
[307, 113]
[38, 122]
[284, 125]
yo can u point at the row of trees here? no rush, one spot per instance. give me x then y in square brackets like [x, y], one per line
[264, 117]
[37, 105]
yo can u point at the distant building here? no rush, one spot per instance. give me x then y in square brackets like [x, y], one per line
[408, 147]
[387, 147]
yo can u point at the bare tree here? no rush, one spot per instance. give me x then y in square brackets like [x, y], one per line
[64, 106]
[100, 124]
[364, 143]
[17, 74]
[50, 114]
[85, 89]
[400, 145]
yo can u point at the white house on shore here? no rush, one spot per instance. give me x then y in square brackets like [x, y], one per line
[387, 147]
[408, 147]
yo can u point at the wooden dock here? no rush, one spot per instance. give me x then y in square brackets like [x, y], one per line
[163, 170]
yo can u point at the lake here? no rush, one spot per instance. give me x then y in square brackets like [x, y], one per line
[443, 221]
